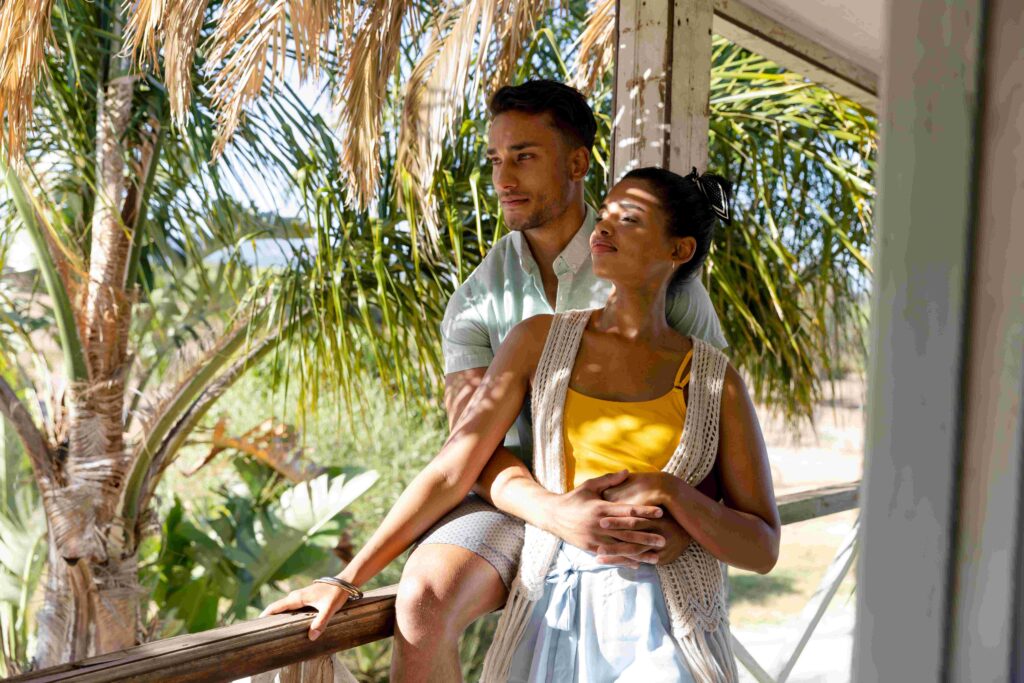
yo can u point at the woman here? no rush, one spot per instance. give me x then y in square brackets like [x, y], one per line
[602, 403]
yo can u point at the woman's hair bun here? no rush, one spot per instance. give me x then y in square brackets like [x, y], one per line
[717, 190]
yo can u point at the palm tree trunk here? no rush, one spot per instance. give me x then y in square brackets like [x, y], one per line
[92, 555]
[114, 603]
[63, 619]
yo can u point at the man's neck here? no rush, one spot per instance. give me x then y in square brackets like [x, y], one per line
[547, 241]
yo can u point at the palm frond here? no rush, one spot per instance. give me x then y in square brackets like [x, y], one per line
[434, 100]
[515, 23]
[363, 94]
[185, 19]
[244, 37]
[253, 36]
[143, 28]
[596, 47]
[790, 276]
[24, 35]
[311, 22]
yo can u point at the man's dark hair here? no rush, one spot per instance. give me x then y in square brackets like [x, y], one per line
[568, 108]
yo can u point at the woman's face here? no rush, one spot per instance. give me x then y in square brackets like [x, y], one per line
[631, 244]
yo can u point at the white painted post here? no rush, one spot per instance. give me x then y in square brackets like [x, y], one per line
[984, 637]
[942, 500]
[662, 84]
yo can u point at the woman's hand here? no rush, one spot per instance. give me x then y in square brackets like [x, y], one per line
[676, 541]
[324, 597]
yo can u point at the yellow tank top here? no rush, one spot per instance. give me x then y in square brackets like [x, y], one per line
[602, 436]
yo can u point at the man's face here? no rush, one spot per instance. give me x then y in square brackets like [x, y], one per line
[530, 165]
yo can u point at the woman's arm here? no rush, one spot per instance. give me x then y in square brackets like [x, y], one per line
[445, 480]
[744, 528]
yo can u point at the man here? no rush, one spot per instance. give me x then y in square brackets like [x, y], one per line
[540, 139]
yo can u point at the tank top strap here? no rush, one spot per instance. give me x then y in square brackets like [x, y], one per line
[683, 373]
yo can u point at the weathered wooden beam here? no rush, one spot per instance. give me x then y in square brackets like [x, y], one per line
[828, 500]
[662, 84]
[746, 25]
[690, 71]
[235, 651]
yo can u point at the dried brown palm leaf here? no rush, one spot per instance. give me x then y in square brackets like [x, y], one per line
[142, 32]
[184, 20]
[175, 26]
[596, 46]
[242, 42]
[311, 22]
[253, 35]
[516, 21]
[275, 444]
[434, 98]
[371, 60]
[24, 34]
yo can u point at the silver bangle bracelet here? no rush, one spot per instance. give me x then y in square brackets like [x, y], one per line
[353, 592]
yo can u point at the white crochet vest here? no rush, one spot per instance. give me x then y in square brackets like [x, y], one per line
[693, 585]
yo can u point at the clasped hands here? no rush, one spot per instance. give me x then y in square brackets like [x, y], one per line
[617, 517]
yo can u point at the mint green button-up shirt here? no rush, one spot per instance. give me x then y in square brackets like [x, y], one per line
[506, 289]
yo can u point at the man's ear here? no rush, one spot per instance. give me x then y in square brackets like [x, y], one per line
[684, 249]
[579, 163]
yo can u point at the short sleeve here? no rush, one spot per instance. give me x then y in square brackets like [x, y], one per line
[690, 312]
[465, 341]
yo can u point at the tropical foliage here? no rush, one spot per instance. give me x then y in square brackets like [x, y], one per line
[216, 568]
[113, 117]
[22, 554]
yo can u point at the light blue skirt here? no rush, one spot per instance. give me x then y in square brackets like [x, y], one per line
[598, 623]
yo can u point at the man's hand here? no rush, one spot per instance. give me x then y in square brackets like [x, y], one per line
[576, 519]
[327, 600]
[676, 540]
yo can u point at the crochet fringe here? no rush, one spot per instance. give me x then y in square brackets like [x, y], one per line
[694, 584]
[709, 654]
[511, 626]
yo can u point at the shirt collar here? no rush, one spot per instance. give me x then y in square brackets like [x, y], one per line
[571, 259]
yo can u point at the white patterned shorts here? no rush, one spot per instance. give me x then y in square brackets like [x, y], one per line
[481, 528]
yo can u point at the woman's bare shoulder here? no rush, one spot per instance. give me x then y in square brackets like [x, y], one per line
[733, 386]
[524, 344]
[530, 334]
[538, 324]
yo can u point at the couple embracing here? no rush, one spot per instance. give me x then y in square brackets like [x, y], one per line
[604, 460]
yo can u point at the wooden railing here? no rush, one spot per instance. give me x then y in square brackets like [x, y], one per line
[252, 647]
